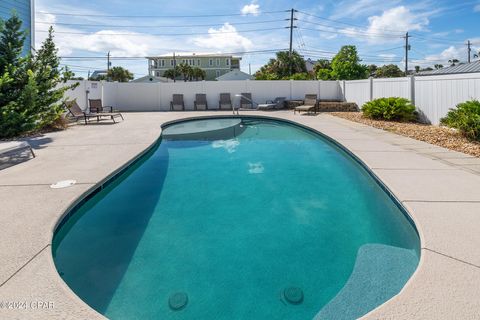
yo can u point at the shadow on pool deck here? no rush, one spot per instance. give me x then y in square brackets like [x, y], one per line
[93, 249]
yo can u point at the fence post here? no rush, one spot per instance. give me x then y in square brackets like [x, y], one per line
[159, 95]
[343, 90]
[371, 88]
[291, 89]
[412, 89]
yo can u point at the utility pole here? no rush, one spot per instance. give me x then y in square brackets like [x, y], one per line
[88, 76]
[249, 69]
[108, 61]
[407, 48]
[292, 11]
[469, 50]
[174, 67]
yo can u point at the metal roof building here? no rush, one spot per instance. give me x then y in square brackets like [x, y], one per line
[471, 67]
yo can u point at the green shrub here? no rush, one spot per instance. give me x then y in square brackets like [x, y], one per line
[466, 118]
[393, 108]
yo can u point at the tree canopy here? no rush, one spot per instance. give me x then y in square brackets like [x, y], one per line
[119, 74]
[389, 71]
[346, 65]
[31, 93]
[282, 67]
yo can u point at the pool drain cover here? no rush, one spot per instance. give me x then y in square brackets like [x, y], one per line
[293, 295]
[178, 301]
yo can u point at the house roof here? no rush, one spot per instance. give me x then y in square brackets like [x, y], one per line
[153, 79]
[235, 75]
[471, 67]
[193, 55]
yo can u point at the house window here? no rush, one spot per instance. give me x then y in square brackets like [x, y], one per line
[171, 63]
[198, 62]
[210, 62]
[154, 63]
[158, 74]
[162, 63]
[227, 61]
[217, 72]
[218, 62]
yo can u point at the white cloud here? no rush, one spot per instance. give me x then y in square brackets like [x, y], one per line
[251, 8]
[359, 8]
[225, 38]
[476, 8]
[398, 18]
[390, 25]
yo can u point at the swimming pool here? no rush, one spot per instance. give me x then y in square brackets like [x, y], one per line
[238, 218]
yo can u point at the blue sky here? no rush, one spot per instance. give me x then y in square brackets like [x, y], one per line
[134, 29]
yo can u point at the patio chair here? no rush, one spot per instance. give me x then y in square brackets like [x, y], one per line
[277, 103]
[96, 106]
[177, 103]
[200, 102]
[9, 146]
[246, 101]
[310, 103]
[77, 113]
[225, 102]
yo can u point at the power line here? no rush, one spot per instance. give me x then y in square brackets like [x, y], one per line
[346, 23]
[356, 31]
[138, 57]
[161, 16]
[156, 26]
[352, 33]
[164, 34]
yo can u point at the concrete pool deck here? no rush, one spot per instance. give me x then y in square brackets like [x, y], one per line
[440, 189]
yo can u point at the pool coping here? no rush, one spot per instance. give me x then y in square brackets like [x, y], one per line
[395, 306]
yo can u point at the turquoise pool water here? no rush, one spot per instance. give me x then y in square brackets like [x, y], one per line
[250, 219]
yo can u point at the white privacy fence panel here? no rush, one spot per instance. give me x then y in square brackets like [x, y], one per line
[435, 95]
[157, 96]
[330, 90]
[268, 90]
[393, 87]
[188, 89]
[358, 91]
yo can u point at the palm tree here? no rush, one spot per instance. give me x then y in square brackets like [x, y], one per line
[198, 73]
[417, 69]
[172, 73]
[119, 74]
[476, 55]
[453, 62]
[438, 66]
[186, 71]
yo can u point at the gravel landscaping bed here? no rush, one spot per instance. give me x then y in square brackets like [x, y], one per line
[440, 136]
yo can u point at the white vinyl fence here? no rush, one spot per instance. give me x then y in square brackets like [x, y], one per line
[157, 96]
[433, 95]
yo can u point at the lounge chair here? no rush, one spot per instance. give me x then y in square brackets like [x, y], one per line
[310, 103]
[77, 113]
[177, 103]
[246, 101]
[96, 106]
[200, 102]
[9, 146]
[277, 103]
[225, 102]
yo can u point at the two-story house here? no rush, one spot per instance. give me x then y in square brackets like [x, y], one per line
[213, 64]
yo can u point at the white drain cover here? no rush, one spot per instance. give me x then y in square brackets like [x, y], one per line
[63, 184]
